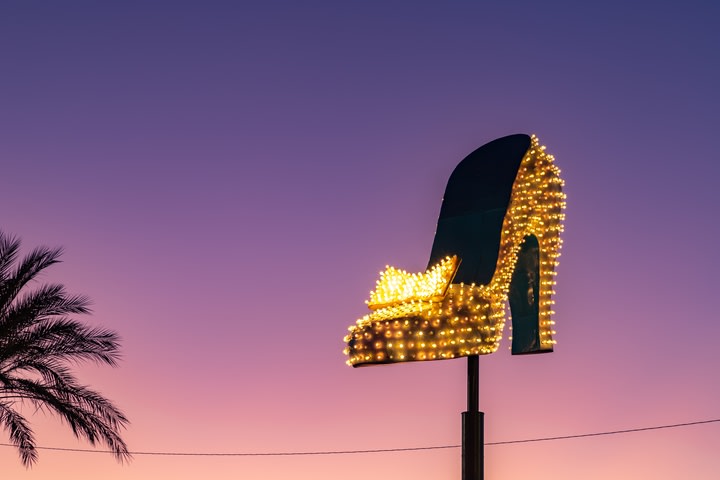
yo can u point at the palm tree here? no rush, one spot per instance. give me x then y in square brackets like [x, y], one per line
[38, 343]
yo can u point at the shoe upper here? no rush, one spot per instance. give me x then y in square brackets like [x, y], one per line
[474, 205]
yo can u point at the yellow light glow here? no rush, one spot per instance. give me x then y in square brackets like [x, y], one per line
[425, 317]
[398, 286]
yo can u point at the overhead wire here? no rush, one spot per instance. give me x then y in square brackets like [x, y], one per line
[377, 450]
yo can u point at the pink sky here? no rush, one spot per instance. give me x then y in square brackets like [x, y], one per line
[228, 179]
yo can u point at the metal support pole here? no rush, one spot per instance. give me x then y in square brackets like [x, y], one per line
[473, 427]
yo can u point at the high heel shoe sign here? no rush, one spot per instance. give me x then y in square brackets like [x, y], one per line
[497, 242]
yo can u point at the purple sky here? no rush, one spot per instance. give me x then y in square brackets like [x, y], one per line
[228, 178]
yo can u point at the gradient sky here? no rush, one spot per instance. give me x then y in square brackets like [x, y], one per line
[227, 179]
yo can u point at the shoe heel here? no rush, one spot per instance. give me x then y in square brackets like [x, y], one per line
[533, 276]
[530, 301]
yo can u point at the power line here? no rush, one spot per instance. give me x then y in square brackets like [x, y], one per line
[378, 450]
[614, 432]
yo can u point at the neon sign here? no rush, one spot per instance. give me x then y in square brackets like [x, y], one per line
[497, 241]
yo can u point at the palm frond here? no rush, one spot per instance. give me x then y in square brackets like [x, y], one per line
[29, 267]
[38, 305]
[52, 378]
[20, 433]
[9, 248]
[88, 414]
[61, 339]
